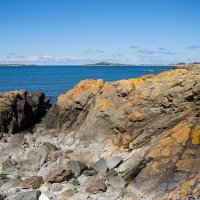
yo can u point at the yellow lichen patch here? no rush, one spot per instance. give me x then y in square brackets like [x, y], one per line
[196, 135]
[188, 152]
[166, 151]
[107, 88]
[185, 165]
[182, 135]
[84, 87]
[137, 114]
[135, 81]
[105, 104]
[186, 189]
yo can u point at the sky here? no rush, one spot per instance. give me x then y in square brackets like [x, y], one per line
[73, 32]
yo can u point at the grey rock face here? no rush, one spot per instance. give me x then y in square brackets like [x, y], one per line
[100, 165]
[77, 167]
[30, 195]
[114, 161]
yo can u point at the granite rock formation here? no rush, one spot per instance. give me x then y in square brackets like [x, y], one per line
[20, 109]
[152, 123]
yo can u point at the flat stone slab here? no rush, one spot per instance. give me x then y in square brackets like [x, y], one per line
[114, 161]
[30, 195]
[100, 165]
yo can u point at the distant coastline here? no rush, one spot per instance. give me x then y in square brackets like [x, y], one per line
[18, 65]
[121, 64]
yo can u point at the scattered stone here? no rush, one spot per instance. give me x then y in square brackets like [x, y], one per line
[94, 185]
[77, 167]
[116, 181]
[74, 181]
[89, 172]
[12, 183]
[2, 196]
[30, 195]
[65, 195]
[111, 173]
[68, 186]
[79, 196]
[117, 191]
[56, 187]
[60, 175]
[9, 166]
[100, 165]
[43, 197]
[45, 187]
[32, 182]
[114, 161]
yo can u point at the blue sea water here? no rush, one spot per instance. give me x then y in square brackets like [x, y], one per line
[56, 80]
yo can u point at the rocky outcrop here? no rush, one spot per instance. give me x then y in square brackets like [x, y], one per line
[147, 129]
[155, 118]
[20, 109]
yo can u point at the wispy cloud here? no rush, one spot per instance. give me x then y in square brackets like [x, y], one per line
[161, 48]
[152, 41]
[45, 59]
[119, 53]
[134, 47]
[193, 47]
[166, 52]
[146, 51]
[94, 51]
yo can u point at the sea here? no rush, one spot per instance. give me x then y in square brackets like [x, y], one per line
[56, 80]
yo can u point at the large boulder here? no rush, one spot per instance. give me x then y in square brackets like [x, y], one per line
[21, 109]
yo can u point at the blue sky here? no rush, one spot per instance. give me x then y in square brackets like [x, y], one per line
[89, 31]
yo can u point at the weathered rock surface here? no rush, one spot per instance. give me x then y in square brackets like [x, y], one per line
[20, 109]
[32, 182]
[59, 175]
[152, 122]
[30, 195]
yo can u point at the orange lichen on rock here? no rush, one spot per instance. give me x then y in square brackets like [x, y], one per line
[105, 104]
[135, 81]
[196, 136]
[187, 187]
[84, 87]
[182, 135]
[137, 114]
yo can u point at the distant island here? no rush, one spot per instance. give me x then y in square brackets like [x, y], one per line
[106, 64]
[18, 65]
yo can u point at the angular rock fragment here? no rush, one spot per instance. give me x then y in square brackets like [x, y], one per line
[77, 167]
[60, 175]
[114, 161]
[32, 182]
[100, 165]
